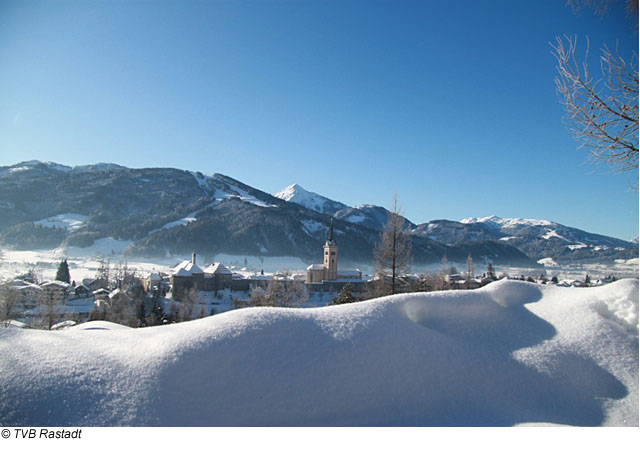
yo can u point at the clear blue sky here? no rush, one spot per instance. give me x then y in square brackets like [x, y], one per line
[450, 103]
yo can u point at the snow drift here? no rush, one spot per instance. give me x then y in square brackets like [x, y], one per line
[507, 354]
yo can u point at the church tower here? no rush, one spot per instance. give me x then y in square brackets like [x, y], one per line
[331, 256]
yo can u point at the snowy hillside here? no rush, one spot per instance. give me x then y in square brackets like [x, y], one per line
[507, 354]
[310, 200]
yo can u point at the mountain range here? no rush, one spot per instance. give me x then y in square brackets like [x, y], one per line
[165, 211]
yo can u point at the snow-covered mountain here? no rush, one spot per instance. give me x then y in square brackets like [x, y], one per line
[310, 200]
[543, 238]
[165, 211]
[499, 222]
[537, 238]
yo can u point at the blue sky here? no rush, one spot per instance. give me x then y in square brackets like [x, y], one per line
[451, 104]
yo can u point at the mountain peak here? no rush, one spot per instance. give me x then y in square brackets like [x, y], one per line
[316, 202]
[292, 191]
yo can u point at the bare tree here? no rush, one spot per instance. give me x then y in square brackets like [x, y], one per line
[601, 113]
[470, 275]
[121, 309]
[51, 301]
[434, 281]
[283, 293]
[103, 274]
[188, 302]
[392, 255]
[470, 268]
[601, 7]
[9, 303]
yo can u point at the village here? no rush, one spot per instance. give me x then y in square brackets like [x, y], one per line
[121, 295]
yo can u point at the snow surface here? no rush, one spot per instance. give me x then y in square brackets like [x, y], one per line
[554, 234]
[548, 262]
[509, 353]
[184, 221]
[356, 218]
[103, 247]
[68, 221]
[247, 198]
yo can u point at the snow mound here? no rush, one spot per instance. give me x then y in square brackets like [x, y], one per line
[510, 353]
[98, 325]
[506, 293]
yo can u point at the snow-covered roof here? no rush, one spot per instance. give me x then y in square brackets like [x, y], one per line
[101, 291]
[186, 269]
[58, 283]
[63, 325]
[27, 287]
[13, 324]
[218, 269]
[115, 293]
[355, 273]
[316, 267]
[261, 277]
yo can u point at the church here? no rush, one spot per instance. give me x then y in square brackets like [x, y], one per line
[328, 273]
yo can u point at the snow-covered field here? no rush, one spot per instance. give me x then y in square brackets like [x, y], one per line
[507, 354]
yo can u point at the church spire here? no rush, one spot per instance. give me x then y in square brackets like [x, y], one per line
[330, 237]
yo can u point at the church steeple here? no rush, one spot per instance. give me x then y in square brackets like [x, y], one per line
[330, 256]
[330, 236]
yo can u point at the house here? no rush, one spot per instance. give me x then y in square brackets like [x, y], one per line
[217, 277]
[95, 283]
[81, 291]
[101, 294]
[186, 275]
[153, 281]
[29, 294]
[56, 291]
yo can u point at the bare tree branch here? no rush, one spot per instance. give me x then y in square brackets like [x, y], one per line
[602, 114]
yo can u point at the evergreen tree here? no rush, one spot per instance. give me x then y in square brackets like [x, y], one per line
[490, 272]
[63, 272]
[345, 296]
